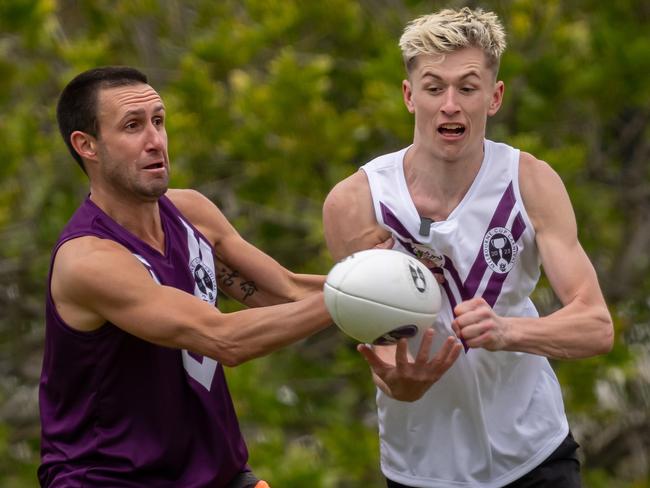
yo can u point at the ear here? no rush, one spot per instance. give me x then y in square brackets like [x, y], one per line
[407, 94]
[497, 98]
[84, 144]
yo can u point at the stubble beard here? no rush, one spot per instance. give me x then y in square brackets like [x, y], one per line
[133, 189]
[152, 191]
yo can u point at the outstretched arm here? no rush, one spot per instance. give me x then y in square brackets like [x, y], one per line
[244, 272]
[583, 326]
[97, 280]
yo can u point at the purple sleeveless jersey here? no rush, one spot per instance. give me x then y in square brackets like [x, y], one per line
[117, 411]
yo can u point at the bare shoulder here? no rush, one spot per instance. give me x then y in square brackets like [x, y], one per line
[349, 218]
[535, 174]
[540, 184]
[85, 272]
[80, 261]
[193, 204]
[201, 212]
[349, 195]
[85, 250]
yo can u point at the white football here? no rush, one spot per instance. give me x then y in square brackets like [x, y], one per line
[378, 296]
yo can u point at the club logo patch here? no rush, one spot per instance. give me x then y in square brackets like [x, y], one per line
[500, 250]
[204, 279]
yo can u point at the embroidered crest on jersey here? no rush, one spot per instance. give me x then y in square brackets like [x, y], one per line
[500, 249]
[204, 279]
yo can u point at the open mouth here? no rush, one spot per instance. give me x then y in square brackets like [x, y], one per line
[451, 129]
[154, 166]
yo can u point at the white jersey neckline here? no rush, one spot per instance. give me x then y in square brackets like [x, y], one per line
[406, 194]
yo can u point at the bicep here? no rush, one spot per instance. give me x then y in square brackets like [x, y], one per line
[113, 285]
[565, 262]
[568, 268]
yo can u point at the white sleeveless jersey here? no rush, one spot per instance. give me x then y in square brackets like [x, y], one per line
[494, 416]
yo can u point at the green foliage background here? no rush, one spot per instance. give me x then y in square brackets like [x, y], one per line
[270, 103]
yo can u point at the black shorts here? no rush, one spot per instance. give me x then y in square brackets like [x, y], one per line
[245, 479]
[560, 470]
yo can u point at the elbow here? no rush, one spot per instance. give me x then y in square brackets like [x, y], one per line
[234, 360]
[605, 342]
[231, 361]
[233, 355]
[224, 344]
[608, 341]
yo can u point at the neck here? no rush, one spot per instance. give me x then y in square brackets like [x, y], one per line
[140, 217]
[437, 186]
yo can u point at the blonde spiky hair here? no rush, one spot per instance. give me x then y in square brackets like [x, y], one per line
[450, 30]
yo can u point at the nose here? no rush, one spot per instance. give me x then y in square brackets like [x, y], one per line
[450, 102]
[156, 138]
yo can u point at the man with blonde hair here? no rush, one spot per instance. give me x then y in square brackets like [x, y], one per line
[476, 402]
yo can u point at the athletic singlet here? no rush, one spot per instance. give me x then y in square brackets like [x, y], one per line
[493, 416]
[117, 411]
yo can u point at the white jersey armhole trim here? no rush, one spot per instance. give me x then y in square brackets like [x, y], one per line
[516, 163]
[373, 167]
[370, 175]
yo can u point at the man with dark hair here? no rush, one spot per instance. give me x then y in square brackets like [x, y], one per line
[77, 107]
[132, 390]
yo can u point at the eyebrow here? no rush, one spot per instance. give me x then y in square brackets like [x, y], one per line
[463, 77]
[138, 112]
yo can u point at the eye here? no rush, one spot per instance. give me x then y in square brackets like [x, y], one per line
[158, 121]
[131, 125]
[467, 89]
[434, 89]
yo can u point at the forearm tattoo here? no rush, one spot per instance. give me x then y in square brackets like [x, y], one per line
[229, 277]
[248, 287]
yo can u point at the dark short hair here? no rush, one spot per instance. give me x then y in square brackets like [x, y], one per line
[77, 106]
